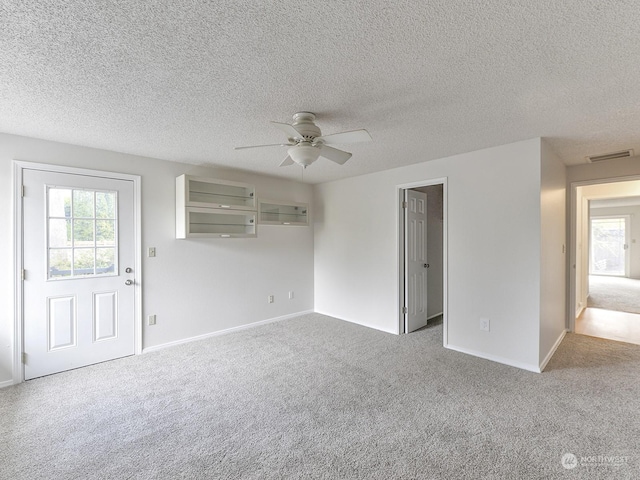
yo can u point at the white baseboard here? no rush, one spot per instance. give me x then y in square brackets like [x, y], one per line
[495, 358]
[435, 315]
[394, 332]
[553, 350]
[6, 383]
[223, 332]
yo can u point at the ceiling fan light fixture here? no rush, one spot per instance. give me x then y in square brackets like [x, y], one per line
[304, 154]
[307, 144]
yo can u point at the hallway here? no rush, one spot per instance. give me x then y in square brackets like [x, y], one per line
[610, 324]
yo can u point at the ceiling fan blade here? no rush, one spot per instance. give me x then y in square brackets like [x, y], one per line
[260, 146]
[287, 161]
[335, 155]
[292, 133]
[354, 136]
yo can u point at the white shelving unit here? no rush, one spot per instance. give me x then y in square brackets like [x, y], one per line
[209, 207]
[274, 212]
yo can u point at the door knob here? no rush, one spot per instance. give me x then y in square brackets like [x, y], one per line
[426, 265]
[128, 282]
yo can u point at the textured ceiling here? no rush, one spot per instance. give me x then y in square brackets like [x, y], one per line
[189, 80]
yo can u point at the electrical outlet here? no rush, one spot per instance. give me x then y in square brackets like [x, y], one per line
[485, 324]
[151, 320]
[270, 299]
[291, 295]
[151, 252]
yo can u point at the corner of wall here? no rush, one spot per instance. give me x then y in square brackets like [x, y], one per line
[554, 252]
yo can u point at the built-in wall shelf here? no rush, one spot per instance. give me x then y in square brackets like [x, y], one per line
[213, 193]
[209, 207]
[274, 212]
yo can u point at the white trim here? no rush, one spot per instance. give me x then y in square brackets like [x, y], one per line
[17, 367]
[356, 322]
[401, 194]
[400, 189]
[435, 315]
[18, 168]
[247, 326]
[6, 383]
[572, 307]
[543, 365]
[495, 358]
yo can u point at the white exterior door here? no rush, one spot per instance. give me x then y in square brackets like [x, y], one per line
[610, 245]
[78, 258]
[416, 260]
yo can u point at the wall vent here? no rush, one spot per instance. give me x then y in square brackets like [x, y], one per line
[610, 156]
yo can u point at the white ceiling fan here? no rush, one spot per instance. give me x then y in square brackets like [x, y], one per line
[306, 142]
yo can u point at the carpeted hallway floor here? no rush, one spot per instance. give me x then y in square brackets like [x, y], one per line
[614, 293]
[315, 397]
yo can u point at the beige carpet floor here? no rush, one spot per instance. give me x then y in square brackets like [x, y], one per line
[318, 398]
[614, 293]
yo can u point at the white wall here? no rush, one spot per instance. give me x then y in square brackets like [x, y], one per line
[494, 251]
[553, 180]
[195, 287]
[634, 247]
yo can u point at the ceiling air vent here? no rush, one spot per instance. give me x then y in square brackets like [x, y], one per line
[610, 156]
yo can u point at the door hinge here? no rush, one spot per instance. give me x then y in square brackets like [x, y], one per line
[405, 204]
[22, 193]
[405, 310]
[23, 274]
[24, 358]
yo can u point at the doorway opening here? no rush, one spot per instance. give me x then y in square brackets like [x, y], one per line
[422, 227]
[605, 280]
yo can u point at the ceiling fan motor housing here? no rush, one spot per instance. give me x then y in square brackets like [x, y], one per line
[303, 123]
[304, 154]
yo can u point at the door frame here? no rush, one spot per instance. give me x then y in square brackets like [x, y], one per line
[573, 241]
[400, 189]
[19, 167]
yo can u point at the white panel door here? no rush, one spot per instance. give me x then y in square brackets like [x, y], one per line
[416, 260]
[79, 253]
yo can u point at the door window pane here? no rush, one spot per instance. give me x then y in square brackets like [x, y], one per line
[59, 202]
[60, 263]
[81, 233]
[59, 233]
[105, 260]
[105, 205]
[82, 204]
[105, 232]
[83, 261]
